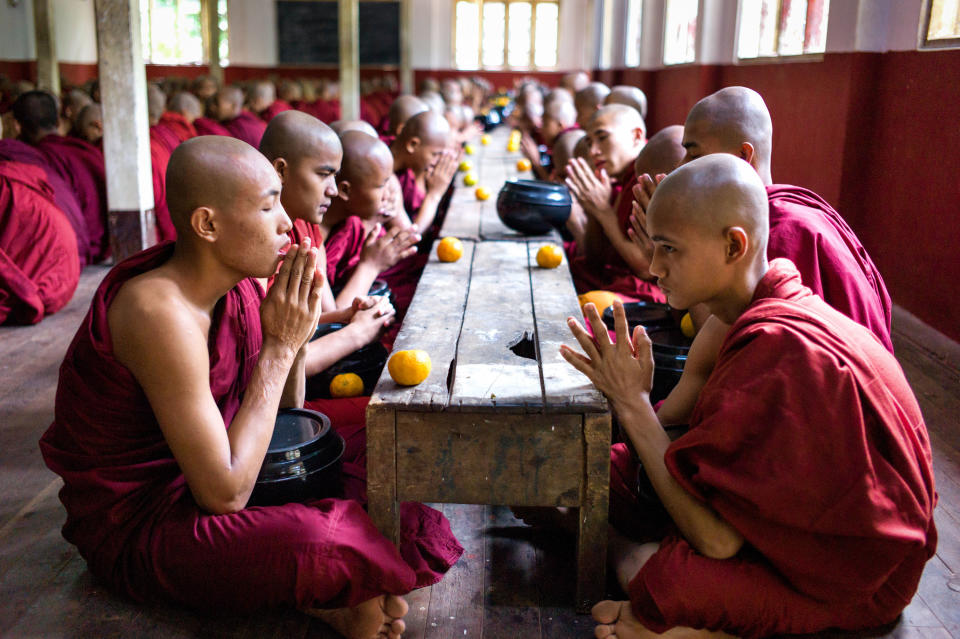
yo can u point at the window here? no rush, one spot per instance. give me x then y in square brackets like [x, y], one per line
[943, 23]
[173, 31]
[634, 31]
[513, 33]
[680, 31]
[770, 28]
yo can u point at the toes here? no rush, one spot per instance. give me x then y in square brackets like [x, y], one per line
[394, 606]
[604, 632]
[606, 612]
[398, 626]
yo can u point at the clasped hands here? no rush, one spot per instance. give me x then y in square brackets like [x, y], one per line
[592, 190]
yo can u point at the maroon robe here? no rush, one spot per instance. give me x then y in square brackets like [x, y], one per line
[247, 127]
[808, 440]
[208, 126]
[344, 245]
[178, 128]
[413, 195]
[832, 262]
[66, 201]
[39, 265]
[133, 518]
[278, 106]
[327, 111]
[159, 158]
[80, 164]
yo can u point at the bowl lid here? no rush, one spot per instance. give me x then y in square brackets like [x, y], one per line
[536, 192]
[669, 341]
[297, 428]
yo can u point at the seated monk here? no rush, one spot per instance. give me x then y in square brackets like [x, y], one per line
[559, 116]
[39, 263]
[425, 166]
[402, 109]
[166, 405]
[89, 126]
[75, 161]
[631, 96]
[204, 87]
[588, 101]
[264, 103]
[563, 152]
[243, 125]
[617, 135]
[575, 81]
[803, 227]
[835, 533]
[73, 103]
[342, 126]
[209, 123]
[162, 143]
[182, 110]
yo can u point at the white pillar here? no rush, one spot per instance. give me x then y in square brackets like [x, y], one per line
[406, 64]
[48, 67]
[126, 134]
[349, 59]
[212, 17]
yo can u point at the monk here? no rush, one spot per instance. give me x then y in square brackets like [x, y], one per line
[837, 532]
[563, 152]
[204, 87]
[402, 109]
[424, 164]
[263, 101]
[89, 126]
[631, 96]
[803, 227]
[73, 103]
[588, 100]
[163, 140]
[163, 137]
[77, 162]
[342, 126]
[166, 405]
[177, 120]
[575, 81]
[559, 116]
[39, 263]
[243, 125]
[617, 135]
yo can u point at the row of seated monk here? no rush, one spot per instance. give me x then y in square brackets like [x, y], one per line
[800, 499]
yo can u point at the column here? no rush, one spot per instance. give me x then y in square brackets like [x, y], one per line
[349, 59]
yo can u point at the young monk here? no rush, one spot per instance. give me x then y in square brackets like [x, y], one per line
[559, 116]
[183, 109]
[76, 162]
[243, 125]
[631, 96]
[402, 109]
[89, 126]
[588, 100]
[73, 103]
[803, 227]
[836, 533]
[163, 141]
[264, 103]
[342, 126]
[563, 150]
[424, 164]
[166, 405]
[39, 263]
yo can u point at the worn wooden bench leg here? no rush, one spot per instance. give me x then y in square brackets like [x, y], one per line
[594, 503]
[382, 472]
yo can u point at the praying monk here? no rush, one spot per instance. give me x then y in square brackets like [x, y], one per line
[837, 532]
[263, 101]
[162, 143]
[616, 136]
[402, 109]
[588, 100]
[75, 161]
[166, 405]
[89, 126]
[73, 103]
[631, 96]
[176, 122]
[803, 227]
[243, 125]
[424, 164]
[39, 263]
[563, 149]
[559, 116]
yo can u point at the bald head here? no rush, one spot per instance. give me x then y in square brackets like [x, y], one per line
[429, 127]
[37, 115]
[576, 81]
[156, 103]
[293, 135]
[262, 95]
[362, 153]
[434, 101]
[229, 103]
[402, 109]
[187, 105]
[342, 126]
[213, 171]
[617, 134]
[588, 100]
[630, 96]
[733, 120]
[662, 153]
[563, 149]
[90, 123]
[74, 102]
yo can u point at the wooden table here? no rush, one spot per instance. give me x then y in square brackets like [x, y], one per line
[489, 425]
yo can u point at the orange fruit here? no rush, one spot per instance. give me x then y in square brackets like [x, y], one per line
[409, 368]
[485, 140]
[469, 149]
[512, 146]
[687, 327]
[449, 249]
[523, 164]
[549, 256]
[346, 385]
[483, 193]
[469, 179]
[601, 299]
[465, 166]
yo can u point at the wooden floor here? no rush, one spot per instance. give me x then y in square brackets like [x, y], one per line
[512, 580]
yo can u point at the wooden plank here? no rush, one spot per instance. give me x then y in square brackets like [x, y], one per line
[554, 300]
[463, 218]
[382, 471]
[592, 537]
[499, 311]
[939, 596]
[512, 588]
[432, 324]
[478, 458]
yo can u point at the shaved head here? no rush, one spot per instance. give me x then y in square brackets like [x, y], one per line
[36, 113]
[562, 111]
[156, 103]
[293, 135]
[725, 122]
[74, 102]
[631, 96]
[617, 134]
[213, 171]
[342, 126]
[619, 114]
[187, 105]
[429, 126]
[563, 149]
[90, 123]
[588, 100]
[362, 152]
[402, 109]
[229, 103]
[663, 152]
[573, 82]
[433, 100]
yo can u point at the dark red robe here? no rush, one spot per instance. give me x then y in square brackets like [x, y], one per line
[17, 151]
[278, 106]
[132, 517]
[80, 164]
[413, 194]
[327, 111]
[159, 158]
[831, 260]
[343, 246]
[39, 265]
[177, 127]
[808, 440]
[247, 127]
[208, 126]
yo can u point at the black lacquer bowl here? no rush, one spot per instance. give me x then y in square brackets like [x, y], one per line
[670, 349]
[533, 207]
[367, 362]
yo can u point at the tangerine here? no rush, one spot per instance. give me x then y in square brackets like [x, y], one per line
[483, 193]
[346, 385]
[410, 367]
[465, 166]
[523, 164]
[469, 179]
[549, 256]
[687, 327]
[469, 149]
[485, 140]
[601, 299]
[449, 249]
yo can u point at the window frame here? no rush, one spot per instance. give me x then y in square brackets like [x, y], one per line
[924, 42]
[506, 66]
[778, 58]
[205, 39]
[696, 42]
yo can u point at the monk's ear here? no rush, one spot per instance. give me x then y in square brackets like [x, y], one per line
[413, 144]
[280, 166]
[202, 221]
[343, 188]
[737, 243]
[748, 153]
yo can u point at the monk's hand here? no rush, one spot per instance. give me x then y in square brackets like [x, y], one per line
[530, 149]
[591, 190]
[384, 250]
[621, 370]
[642, 194]
[370, 315]
[442, 174]
[291, 309]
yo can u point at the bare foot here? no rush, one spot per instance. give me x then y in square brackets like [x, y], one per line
[377, 618]
[615, 620]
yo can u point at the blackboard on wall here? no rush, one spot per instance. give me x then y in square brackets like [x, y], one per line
[307, 32]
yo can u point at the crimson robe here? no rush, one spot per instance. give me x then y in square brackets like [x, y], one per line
[80, 164]
[208, 126]
[39, 264]
[179, 128]
[808, 440]
[159, 159]
[247, 127]
[278, 106]
[831, 260]
[343, 246]
[327, 111]
[134, 520]
[413, 194]
[17, 151]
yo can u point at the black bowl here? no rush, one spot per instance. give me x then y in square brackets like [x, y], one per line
[303, 460]
[379, 288]
[670, 349]
[533, 207]
[367, 362]
[646, 314]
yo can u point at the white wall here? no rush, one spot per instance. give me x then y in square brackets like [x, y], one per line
[252, 33]
[16, 31]
[74, 22]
